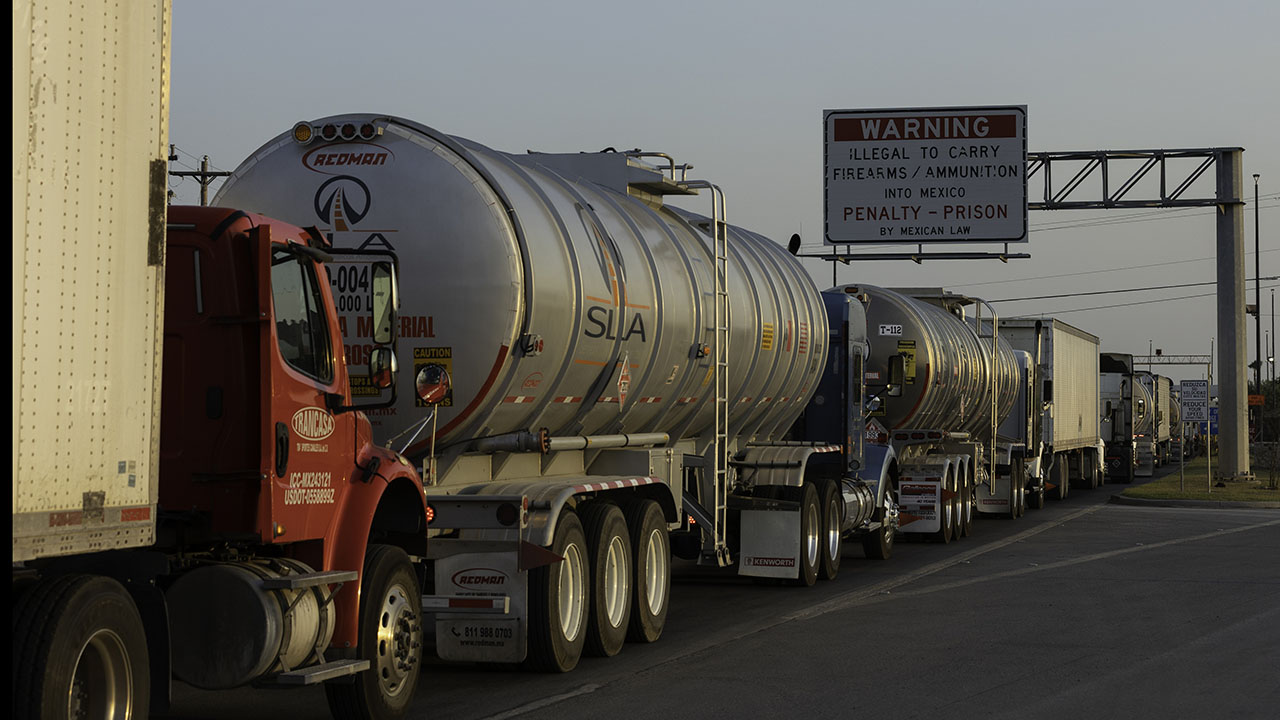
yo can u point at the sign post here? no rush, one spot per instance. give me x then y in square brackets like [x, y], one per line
[926, 175]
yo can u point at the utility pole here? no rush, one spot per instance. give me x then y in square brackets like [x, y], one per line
[204, 175]
[1257, 290]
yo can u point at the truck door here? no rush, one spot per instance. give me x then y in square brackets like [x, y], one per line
[303, 368]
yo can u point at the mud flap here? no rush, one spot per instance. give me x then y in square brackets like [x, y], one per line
[994, 499]
[473, 628]
[770, 544]
[919, 502]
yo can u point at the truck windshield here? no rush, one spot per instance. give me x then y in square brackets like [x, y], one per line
[302, 330]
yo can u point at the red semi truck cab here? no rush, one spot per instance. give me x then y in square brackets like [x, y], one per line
[265, 452]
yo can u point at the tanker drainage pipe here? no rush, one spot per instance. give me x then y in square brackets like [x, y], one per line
[582, 442]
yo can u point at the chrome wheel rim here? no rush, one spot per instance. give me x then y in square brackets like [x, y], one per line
[572, 592]
[655, 572]
[101, 686]
[399, 637]
[833, 529]
[811, 541]
[616, 584]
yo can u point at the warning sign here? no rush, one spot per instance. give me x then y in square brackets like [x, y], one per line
[907, 349]
[925, 175]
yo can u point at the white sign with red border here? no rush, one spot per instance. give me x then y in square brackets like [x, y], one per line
[925, 175]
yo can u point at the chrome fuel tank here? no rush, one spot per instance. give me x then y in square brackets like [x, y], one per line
[949, 369]
[558, 290]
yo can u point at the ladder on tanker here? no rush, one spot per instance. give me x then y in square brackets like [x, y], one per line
[720, 240]
[715, 548]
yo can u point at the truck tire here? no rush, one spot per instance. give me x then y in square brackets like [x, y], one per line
[878, 544]
[831, 507]
[1037, 498]
[390, 639]
[79, 650]
[810, 534]
[967, 501]
[1062, 475]
[651, 560]
[558, 601]
[947, 513]
[609, 558]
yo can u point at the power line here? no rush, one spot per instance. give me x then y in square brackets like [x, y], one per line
[1127, 290]
[1140, 302]
[1096, 272]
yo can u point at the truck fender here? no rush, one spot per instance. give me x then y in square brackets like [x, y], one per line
[879, 462]
[547, 500]
[351, 526]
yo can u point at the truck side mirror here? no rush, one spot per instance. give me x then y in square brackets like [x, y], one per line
[897, 375]
[1108, 413]
[385, 302]
[382, 367]
[1048, 391]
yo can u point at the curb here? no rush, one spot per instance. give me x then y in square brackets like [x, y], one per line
[1118, 499]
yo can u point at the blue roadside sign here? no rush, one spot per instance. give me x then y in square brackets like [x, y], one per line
[1213, 422]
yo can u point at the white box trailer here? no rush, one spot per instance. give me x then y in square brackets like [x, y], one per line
[90, 126]
[1070, 444]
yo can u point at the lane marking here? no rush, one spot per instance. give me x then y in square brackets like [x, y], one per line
[856, 597]
[544, 702]
[1087, 558]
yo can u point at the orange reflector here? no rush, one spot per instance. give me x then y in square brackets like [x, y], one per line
[431, 514]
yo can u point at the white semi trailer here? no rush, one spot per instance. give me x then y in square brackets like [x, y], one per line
[90, 127]
[1068, 448]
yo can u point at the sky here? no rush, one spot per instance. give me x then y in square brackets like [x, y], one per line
[738, 89]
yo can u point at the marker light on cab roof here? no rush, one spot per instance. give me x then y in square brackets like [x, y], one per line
[302, 133]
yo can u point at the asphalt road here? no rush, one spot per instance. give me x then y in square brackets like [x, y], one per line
[1083, 609]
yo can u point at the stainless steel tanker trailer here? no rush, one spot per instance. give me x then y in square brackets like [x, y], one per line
[597, 379]
[949, 406]
[1068, 447]
[1126, 415]
[1153, 440]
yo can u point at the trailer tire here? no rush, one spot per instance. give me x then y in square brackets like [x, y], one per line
[947, 512]
[1062, 474]
[878, 544]
[390, 607]
[651, 587]
[831, 507]
[79, 639]
[609, 557]
[967, 501]
[1037, 498]
[558, 601]
[810, 534]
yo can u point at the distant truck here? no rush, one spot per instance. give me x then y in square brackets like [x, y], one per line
[196, 492]
[1067, 449]
[1153, 444]
[950, 406]
[1126, 411]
